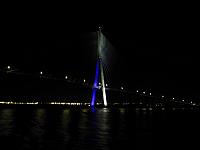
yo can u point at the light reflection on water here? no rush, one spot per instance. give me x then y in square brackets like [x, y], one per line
[62, 128]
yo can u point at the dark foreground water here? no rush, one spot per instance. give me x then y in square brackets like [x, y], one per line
[85, 129]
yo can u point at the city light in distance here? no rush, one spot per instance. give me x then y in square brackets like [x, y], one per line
[7, 102]
[122, 88]
[8, 67]
[66, 77]
[84, 80]
[41, 72]
[50, 103]
[106, 84]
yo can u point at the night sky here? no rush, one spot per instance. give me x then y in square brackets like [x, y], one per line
[152, 50]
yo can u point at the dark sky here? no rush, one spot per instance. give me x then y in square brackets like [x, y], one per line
[154, 50]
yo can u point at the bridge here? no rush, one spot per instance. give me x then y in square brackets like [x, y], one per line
[99, 93]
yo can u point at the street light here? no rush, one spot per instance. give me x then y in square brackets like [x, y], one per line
[8, 67]
[66, 77]
[41, 72]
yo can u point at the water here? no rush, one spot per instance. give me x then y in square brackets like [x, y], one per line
[99, 129]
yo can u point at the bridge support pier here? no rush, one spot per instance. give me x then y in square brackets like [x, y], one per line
[99, 66]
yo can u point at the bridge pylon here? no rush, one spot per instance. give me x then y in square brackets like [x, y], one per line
[99, 68]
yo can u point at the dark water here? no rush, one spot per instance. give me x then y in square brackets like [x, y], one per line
[85, 129]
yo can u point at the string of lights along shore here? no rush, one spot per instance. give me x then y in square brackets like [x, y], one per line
[98, 84]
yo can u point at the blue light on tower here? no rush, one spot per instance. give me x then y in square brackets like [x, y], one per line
[99, 70]
[94, 90]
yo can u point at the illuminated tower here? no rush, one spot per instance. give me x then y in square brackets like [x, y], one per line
[99, 67]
